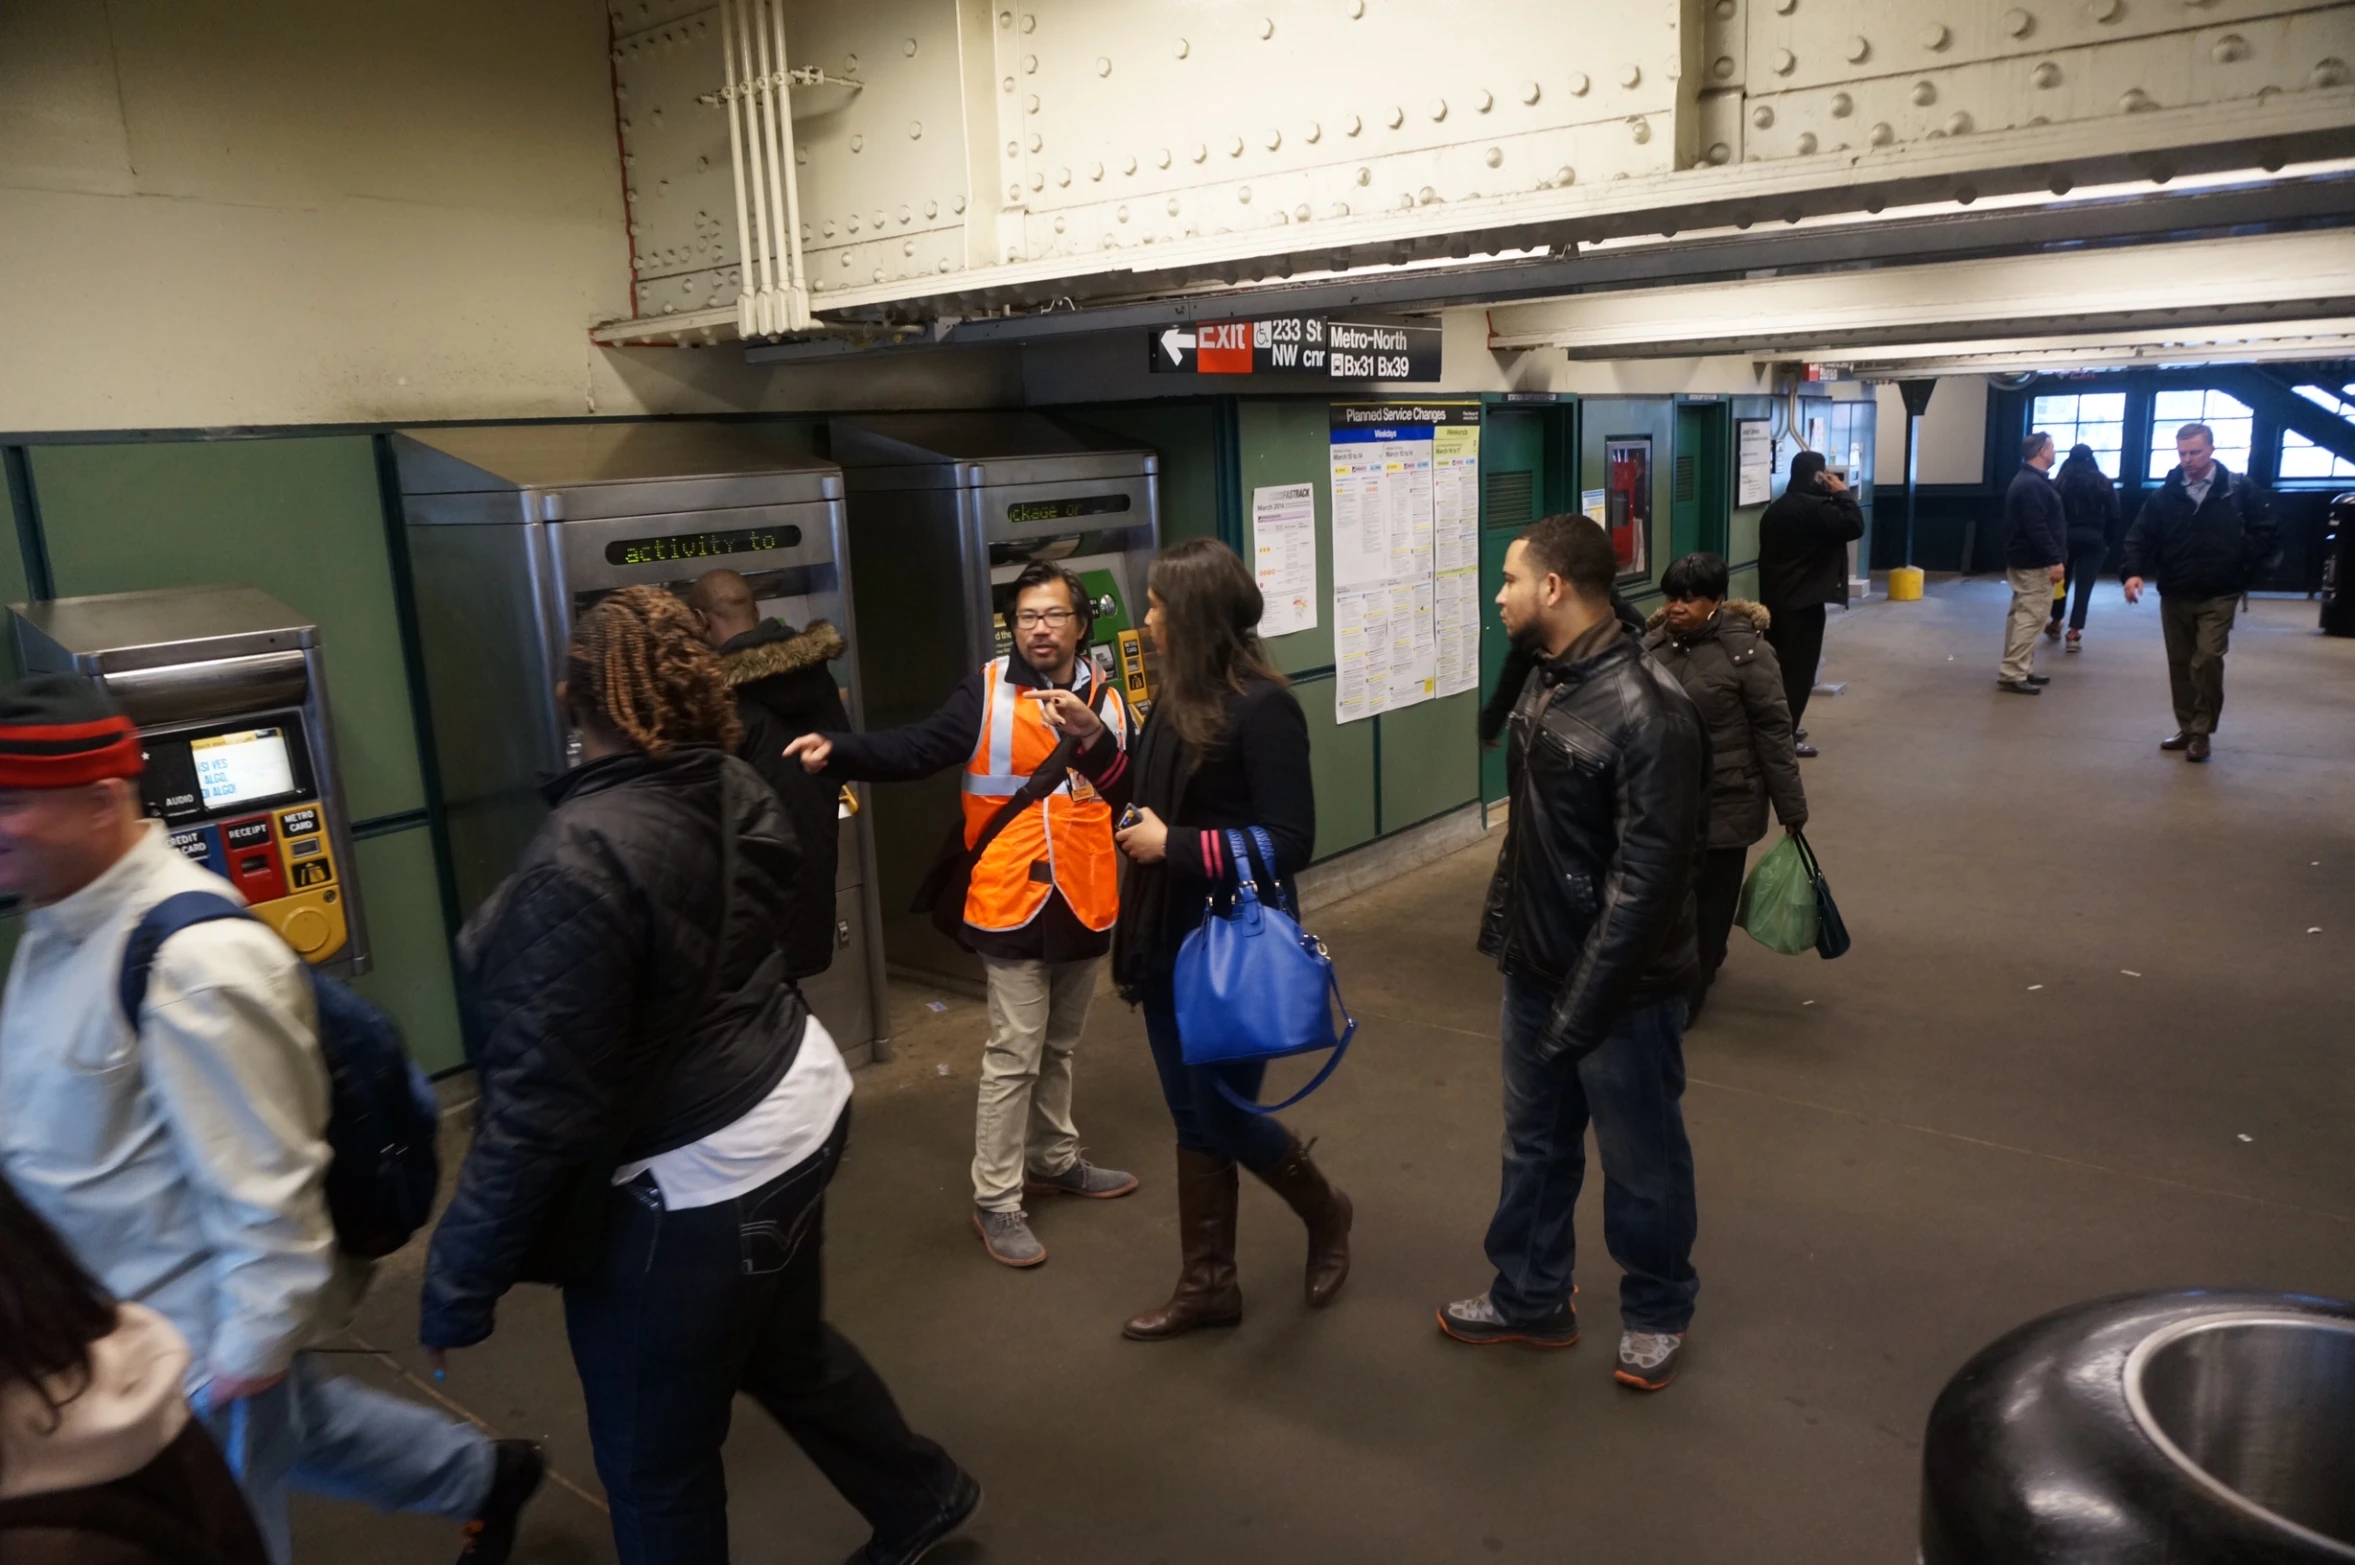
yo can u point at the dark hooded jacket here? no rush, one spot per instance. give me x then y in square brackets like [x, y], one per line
[2210, 550]
[2038, 525]
[1730, 672]
[1803, 540]
[1593, 897]
[620, 1000]
[2091, 503]
[783, 690]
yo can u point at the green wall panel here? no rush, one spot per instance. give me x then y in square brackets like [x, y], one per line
[410, 953]
[1430, 759]
[1341, 768]
[1289, 442]
[1182, 433]
[300, 518]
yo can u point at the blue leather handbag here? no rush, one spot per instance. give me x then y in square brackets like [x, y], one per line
[1252, 985]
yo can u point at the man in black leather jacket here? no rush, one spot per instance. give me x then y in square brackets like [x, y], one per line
[1591, 918]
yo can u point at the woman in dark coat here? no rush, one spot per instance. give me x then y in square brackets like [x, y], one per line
[2096, 528]
[1716, 647]
[1226, 748]
[1803, 543]
[661, 1115]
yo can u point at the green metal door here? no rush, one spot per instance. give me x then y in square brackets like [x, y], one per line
[1699, 511]
[1514, 489]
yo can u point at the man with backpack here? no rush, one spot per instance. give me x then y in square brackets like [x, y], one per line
[181, 1145]
[1033, 893]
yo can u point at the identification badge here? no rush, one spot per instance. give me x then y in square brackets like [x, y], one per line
[1080, 788]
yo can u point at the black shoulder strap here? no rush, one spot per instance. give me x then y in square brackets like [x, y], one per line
[1040, 783]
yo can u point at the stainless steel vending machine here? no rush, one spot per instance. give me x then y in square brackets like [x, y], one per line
[230, 695]
[514, 530]
[946, 509]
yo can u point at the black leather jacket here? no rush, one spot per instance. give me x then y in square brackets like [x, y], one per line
[594, 1009]
[1609, 770]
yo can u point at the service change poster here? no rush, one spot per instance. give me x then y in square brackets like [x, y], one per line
[1405, 486]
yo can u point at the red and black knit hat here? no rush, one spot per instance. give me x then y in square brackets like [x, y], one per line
[60, 730]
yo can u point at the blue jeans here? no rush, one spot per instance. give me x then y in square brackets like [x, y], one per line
[1629, 1087]
[1206, 1121]
[338, 1438]
[691, 1307]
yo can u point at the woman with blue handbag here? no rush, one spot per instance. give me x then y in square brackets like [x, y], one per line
[1223, 760]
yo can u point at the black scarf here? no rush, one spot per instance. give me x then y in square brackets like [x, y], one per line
[1164, 765]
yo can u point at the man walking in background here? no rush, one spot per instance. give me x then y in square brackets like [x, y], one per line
[1591, 919]
[2203, 537]
[183, 1155]
[1803, 544]
[1039, 904]
[784, 689]
[2035, 558]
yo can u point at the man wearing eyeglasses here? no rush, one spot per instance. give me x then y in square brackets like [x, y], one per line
[1041, 897]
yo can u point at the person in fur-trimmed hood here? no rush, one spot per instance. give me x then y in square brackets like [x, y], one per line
[1716, 647]
[783, 690]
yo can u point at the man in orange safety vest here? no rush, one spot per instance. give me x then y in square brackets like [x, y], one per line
[1041, 900]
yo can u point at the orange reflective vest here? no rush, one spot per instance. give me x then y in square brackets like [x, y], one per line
[1061, 843]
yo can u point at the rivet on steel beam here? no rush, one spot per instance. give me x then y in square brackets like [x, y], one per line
[1009, 84]
[1426, 195]
[1486, 101]
[2230, 47]
[1365, 176]
[1030, 103]
[1103, 65]
[2018, 23]
[1274, 138]
[1785, 7]
[1062, 176]
[827, 228]
[1301, 213]
[1122, 214]
[1958, 123]
[1234, 146]
[1038, 181]
[1565, 175]
[858, 143]
[1030, 64]
[1005, 18]
[1184, 48]
[1200, 152]
[1267, 28]
[2046, 74]
[2134, 101]
[1531, 92]
[1173, 206]
[1494, 157]
[1438, 109]
[943, 266]
[1579, 84]
[1882, 134]
[1029, 22]
[1313, 134]
[1807, 143]
[853, 222]
[1722, 67]
[1859, 49]
[1037, 142]
[1785, 62]
[1161, 157]
[1724, 10]
[1058, 225]
[1128, 165]
[907, 247]
[1013, 192]
[1762, 116]
[2105, 10]
[1243, 194]
[1936, 36]
[1720, 153]
[1095, 171]
[915, 130]
[1631, 75]
[1640, 128]
[1352, 125]
[2330, 71]
[1925, 93]
[957, 204]
[1396, 117]
[1357, 9]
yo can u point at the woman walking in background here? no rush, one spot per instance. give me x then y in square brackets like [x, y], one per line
[1226, 748]
[100, 1462]
[1716, 647]
[2096, 528]
[661, 1116]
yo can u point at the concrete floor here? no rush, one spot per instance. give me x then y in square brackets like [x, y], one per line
[2088, 1040]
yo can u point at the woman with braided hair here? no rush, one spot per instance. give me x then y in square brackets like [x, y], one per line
[661, 1115]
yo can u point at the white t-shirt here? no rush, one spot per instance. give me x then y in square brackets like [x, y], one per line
[780, 1131]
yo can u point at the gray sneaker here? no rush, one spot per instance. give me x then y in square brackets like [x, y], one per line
[1081, 1178]
[1647, 1359]
[1007, 1237]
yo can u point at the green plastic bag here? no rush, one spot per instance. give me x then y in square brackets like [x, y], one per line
[1778, 900]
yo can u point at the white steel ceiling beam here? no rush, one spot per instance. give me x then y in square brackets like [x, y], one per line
[1837, 313]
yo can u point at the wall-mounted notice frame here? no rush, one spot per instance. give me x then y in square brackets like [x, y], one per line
[1389, 491]
[1753, 461]
[1627, 501]
[1284, 556]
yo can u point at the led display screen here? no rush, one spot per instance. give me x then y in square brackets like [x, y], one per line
[242, 767]
[1064, 510]
[700, 546]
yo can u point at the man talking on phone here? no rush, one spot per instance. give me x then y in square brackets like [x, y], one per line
[1042, 893]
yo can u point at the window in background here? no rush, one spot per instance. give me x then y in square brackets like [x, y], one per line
[2090, 418]
[2302, 458]
[2222, 412]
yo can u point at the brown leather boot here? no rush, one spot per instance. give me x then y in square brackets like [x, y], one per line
[1207, 1293]
[1328, 1213]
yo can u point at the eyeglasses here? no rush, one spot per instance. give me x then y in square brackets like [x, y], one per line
[1031, 619]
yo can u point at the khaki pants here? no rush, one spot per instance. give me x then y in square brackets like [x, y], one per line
[1037, 1010]
[2197, 630]
[2031, 606]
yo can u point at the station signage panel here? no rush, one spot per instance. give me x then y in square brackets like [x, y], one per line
[1297, 345]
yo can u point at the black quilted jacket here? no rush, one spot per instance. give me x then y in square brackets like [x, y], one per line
[1730, 672]
[585, 979]
[1609, 771]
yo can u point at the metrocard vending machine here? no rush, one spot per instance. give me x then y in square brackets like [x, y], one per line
[230, 696]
